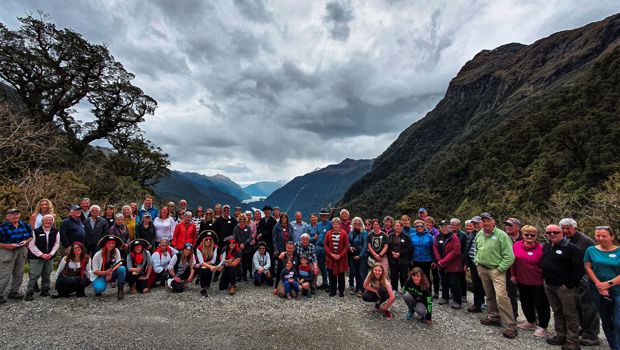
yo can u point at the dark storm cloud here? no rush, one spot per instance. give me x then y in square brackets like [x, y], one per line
[339, 14]
[254, 10]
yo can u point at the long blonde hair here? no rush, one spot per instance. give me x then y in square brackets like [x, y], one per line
[384, 280]
[37, 209]
[207, 252]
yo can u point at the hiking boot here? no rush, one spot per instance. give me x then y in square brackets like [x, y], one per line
[455, 306]
[45, 293]
[571, 347]
[509, 333]
[589, 342]
[29, 297]
[133, 290]
[474, 309]
[556, 340]
[36, 288]
[442, 301]
[490, 322]
[15, 295]
[120, 293]
[540, 332]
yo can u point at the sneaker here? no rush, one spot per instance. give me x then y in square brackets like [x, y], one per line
[29, 297]
[455, 306]
[474, 309]
[527, 326]
[490, 322]
[203, 291]
[589, 342]
[341, 295]
[555, 340]
[232, 290]
[409, 315]
[388, 315]
[45, 293]
[540, 332]
[509, 333]
[442, 301]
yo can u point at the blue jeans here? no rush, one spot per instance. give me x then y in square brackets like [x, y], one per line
[320, 259]
[609, 310]
[288, 286]
[99, 284]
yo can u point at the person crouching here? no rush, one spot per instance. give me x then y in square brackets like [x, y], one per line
[181, 269]
[139, 266]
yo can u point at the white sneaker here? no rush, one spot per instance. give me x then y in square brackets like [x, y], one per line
[540, 332]
[527, 326]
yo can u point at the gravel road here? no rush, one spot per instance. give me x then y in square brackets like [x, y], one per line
[253, 318]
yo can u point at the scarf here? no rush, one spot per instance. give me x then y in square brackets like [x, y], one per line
[158, 250]
[137, 258]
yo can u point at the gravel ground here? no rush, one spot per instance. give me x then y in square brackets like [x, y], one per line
[253, 318]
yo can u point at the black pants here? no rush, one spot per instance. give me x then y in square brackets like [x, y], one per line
[463, 286]
[336, 282]
[229, 277]
[178, 287]
[161, 278]
[355, 274]
[398, 272]
[371, 297]
[534, 302]
[425, 267]
[206, 276]
[512, 291]
[477, 285]
[246, 265]
[436, 281]
[132, 280]
[451, 285]
[65, 285]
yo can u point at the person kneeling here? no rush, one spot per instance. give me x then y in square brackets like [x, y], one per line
[261, 263]
[74, 271]
[379, 290]
[181, 269]
[306, 277]
[206, 254]
[418, 296]
[139, 266]
[108, 266]
[231, 258]
[289, 279]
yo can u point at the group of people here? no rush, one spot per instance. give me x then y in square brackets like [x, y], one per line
[560, 269]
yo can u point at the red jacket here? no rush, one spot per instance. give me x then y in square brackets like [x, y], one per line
[341, 265]
[450, 261]
[183, 234]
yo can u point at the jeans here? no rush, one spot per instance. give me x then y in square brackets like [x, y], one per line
[589, 319]
[356, 273]
[418, 308]
[260, 278]
[320, 258]
[610, 315]
[288, 286]
[246, 265]
[99, 284]
[229, 277]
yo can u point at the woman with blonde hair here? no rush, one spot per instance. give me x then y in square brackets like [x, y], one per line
[130, 221]
[378, 290]
[44, 207]
[206, 256]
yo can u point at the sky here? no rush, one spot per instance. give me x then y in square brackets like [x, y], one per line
[267, 90]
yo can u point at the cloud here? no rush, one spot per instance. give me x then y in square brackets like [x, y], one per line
[261, 90]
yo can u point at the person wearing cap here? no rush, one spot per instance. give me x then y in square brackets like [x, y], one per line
[147, 207]
[181, 269]
[336, 251]
[73, 273]
[15, 235]
[161, 260]
[494, 256]
[323, 226]
[41, 252]
[447, 250]
[146, 230]
[455, 228]
[225, 224]
[229, 265]
[513, 229]
[399, 255]
[264, 231]
[298, 227]
[470, 255]
[422, 214]
[184, 232]
[562, 269]
[139, 266]
[95, 227]
[107, 266]
[602, 264]
[261, 263]
[243, 234]
[589, 319]
[206, 256]
[72, 227]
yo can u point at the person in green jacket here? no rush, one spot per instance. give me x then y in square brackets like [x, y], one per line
[494, 256]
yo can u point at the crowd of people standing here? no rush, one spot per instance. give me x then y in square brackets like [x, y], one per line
[559, 271]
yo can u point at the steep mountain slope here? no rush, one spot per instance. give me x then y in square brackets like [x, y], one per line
[517, 124]
[219, 182]
[263, 188]
[319, 188]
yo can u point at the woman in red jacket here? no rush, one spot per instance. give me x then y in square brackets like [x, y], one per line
[447, 250]
[336, 248]
[184, 232]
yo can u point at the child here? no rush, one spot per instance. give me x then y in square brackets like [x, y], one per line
[289, 279]
[305, 276]
[378, 290]
[418, 296]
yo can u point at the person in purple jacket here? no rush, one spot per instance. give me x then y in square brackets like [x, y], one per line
[526, 273]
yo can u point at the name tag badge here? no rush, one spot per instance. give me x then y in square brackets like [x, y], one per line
[229, 221]
[494, 237]
[558, 252]
[441, 242]
[530, 253]
[612, 255]
[324, 230]
[43, 234]
[402, 240]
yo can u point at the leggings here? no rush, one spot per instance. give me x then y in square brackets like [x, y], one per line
[205, 277]
[534, 303]
[398, 272]
[371, 297]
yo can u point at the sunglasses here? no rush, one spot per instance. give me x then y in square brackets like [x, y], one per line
[553, 233]
[529, 235]
[208, 239]
[419, 226]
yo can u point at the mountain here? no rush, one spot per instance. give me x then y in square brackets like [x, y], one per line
[196, 189]
[220, 182]
[263, 188]
[521, 129]
[319, 188]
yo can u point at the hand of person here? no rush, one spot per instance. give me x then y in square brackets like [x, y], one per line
[177, 279]
[604, 293]
[513, 279]
[396, 255]
[45, 256]
[219, 268]
[433, 265]
[357, 257]
[108, 277]
[189, 280]
[260, 270]
[142, 278]
[465, 268]
[429, 323]
[316, 237]
[602, 286]
[383, 307]
[281, 255]
[14, 246]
